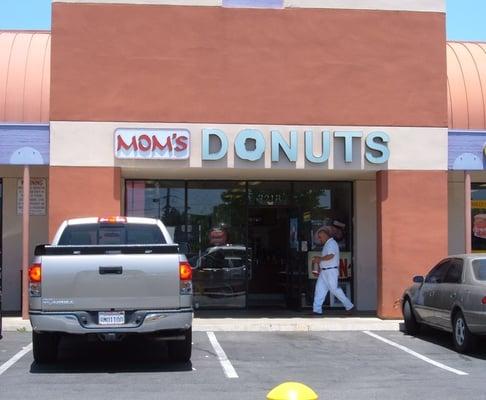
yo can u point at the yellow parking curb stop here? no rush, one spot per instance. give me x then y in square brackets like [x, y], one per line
[292, 391]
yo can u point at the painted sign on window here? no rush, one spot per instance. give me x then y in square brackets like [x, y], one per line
[478, 217]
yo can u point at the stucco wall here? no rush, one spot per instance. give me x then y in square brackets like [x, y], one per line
[252, 66]
[412, 231]
[82, 192]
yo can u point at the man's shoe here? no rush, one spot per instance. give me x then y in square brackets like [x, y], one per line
[351, 311]
[316, 314]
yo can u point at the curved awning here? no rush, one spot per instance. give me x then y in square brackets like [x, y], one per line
[24, 76]
[466, 85]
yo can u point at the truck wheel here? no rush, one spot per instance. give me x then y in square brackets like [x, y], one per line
[464, 340]
[44, 347]
[180, 350]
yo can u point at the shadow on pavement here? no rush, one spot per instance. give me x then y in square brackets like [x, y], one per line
[444, 339]
[276, 312]
[77, 355]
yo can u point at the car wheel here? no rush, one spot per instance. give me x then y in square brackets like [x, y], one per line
[44, 347]
[180, 350]
[412, 326]
[464, 340]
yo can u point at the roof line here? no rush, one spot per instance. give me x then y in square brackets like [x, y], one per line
[25, 31]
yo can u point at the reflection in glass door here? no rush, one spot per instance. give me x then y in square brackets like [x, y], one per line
[216, 227]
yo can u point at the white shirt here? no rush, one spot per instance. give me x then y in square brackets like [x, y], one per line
[330, 247]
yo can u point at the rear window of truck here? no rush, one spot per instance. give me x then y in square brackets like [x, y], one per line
[479, 268]
[111, 234]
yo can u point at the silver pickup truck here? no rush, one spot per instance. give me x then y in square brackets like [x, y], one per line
[107, 278]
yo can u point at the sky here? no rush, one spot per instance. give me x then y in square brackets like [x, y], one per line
[466, 19]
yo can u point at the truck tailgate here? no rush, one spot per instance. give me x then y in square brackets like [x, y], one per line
[110, 281]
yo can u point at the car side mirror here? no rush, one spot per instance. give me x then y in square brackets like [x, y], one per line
[418, 279]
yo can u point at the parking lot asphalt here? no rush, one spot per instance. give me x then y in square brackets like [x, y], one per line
[337, 365]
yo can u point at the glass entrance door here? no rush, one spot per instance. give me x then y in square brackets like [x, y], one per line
[268, 232]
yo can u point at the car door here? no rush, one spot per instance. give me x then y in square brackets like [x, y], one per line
[449, 291]
[427, 301]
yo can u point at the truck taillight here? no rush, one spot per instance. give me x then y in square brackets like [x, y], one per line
[35, 279]
[35, 275]
[185, 275]
[185, 271]
[483, 300]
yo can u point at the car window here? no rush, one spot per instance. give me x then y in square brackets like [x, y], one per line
[479, 268]
[454, 273]
[436, 275]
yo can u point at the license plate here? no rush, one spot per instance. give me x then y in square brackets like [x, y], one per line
[111, 318]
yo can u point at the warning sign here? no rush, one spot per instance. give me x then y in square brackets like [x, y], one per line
[38, 190]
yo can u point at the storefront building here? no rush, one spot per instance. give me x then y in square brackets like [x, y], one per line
[466, 64]
[24, 147]
[245, 125]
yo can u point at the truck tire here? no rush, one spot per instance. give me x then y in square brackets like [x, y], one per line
[180, 350]
[44, 347]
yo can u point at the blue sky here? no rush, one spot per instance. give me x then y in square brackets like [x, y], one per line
[466, 19]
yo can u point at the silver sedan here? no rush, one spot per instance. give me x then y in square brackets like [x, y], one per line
[451, 297]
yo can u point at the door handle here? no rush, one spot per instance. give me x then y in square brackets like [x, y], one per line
[453, 296]
[111, 270]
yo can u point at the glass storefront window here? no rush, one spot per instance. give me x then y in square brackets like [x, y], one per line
[217, 239]
[250, 242]
[269, 193]
[478, 215]
[164, 200]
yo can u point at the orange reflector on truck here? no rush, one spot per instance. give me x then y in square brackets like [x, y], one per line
[185, 271]
[35, 273]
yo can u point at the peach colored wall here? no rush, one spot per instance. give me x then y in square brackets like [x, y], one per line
[412, 231]
[113, 62]
[82, 192]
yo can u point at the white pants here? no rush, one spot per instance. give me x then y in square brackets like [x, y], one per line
[328, 281]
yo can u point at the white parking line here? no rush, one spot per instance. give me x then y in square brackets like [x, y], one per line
[415, 354]
[15, 358]
[228, 369]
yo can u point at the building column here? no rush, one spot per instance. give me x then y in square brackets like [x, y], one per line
[76, 192]
[412, 231]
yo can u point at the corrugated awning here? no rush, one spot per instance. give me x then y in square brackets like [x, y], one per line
[466, 85]
[25, 76]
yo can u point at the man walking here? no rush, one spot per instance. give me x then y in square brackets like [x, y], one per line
[329, 272]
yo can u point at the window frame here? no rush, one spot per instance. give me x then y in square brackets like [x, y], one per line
[459, 263]
[446, 262]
